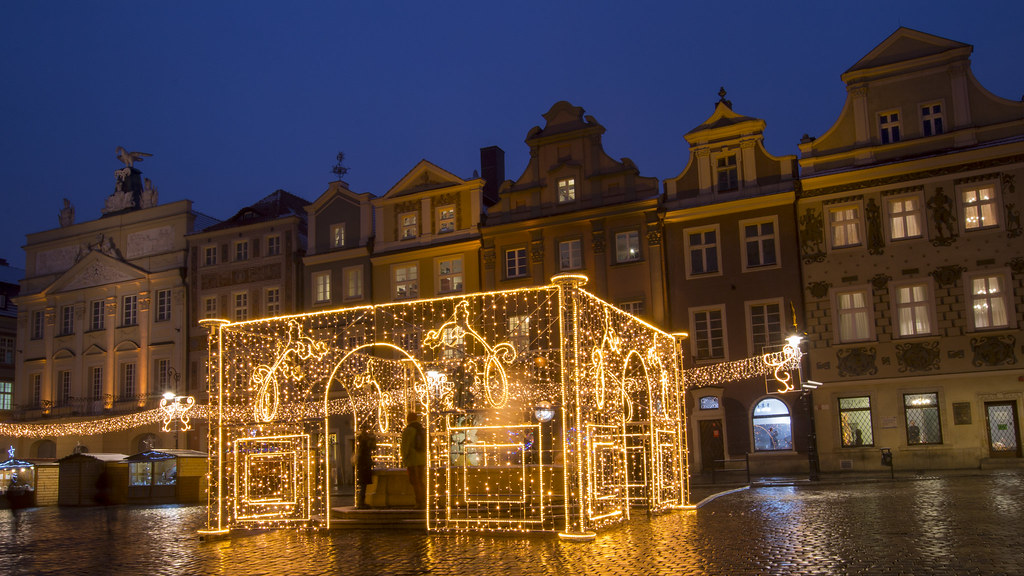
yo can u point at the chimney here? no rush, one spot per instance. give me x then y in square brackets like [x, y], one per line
[492, 168]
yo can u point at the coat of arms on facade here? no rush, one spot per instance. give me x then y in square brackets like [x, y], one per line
[861, 361]
[918, 356]
[812, 236]
[993, 350]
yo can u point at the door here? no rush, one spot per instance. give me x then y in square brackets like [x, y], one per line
[1003, 433]
[712, 446]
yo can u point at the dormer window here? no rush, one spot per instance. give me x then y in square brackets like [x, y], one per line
[408, 225]
[728, 175]
[566, 190]
[931, 119]
[338, 235]
[446, 219]
[889, 127]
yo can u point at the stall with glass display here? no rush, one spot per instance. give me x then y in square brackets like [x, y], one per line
[546, 409]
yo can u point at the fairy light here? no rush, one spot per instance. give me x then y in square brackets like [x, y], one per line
[176, 408]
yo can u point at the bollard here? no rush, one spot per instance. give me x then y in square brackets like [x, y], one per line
[887, 461]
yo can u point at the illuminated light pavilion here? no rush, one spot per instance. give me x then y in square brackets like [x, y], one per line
[546, 409]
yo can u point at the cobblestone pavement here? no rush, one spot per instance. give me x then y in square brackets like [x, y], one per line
[944, 525]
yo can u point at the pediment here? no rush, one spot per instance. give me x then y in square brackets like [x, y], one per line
[63, 354]
[93, 350]
[126, 346]
[338, 189]
[906, 44]
[724, 120]
[95, 269]
[424, 176]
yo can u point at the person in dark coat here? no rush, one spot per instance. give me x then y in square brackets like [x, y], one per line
[366, 443]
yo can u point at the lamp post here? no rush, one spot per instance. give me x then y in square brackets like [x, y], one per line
[782, 363]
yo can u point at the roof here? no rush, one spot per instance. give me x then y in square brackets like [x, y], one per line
[149, 456]
[101, 456]
[280, 204]
[906, 44]
[15, 463]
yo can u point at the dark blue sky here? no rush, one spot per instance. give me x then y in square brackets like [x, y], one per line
[237, 99]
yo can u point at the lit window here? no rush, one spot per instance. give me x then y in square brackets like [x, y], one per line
[570, 255]
[241, 250]
[844, 222]
[702, 250]
[759, 241]
[241, 306]
[519, 332]
[979, 207]
[210, 255]
[727, 173]
[708, 334]
[210, 307]
[353, 282]
[409, 229]
[854, 315]
[566, 190]
[889, 127]
[709, 403]
[905, 218]
[6, 394]
[450, 275]
[322, 286]
[163, 374]
[338, 235]
[635, 307]
[163, 305]
[922, 414]
[6, 350]
[406, 281]
[445, 219]
[273, 301]
[931, 119]
[38, 322]
[129, 310]
[127, 380]
[627, 246]
[765, 326]
[273, 245]
[515, 263]
[913, 316]
[454, 342]
[855, 421]
[988, 301]
[96, 382]
[64, 388]
[36, 381]
[67, 325]
[96, 315]
[772, 426]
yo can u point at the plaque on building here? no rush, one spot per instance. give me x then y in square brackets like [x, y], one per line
[961, 413]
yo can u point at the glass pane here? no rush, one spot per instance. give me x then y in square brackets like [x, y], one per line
[1002, 428]
[851, 403]
[773, 433]
[139, 473]
[771, 407]
[165, 472]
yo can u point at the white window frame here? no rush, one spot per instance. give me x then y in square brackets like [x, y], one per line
[696, 337]
[67, 320]
[128, 381]
[97, 314]
[917, 310]
[210, 307]
[7, 344]
[163, 374]
[272, 301]
[240, 306]
[840, 314]
[703, 249]
[163, 305]
[760, 238]
[932, 120]
[405, 286]
[209, 256]
[566, 191]
[748, 306]
[517, 258]
[408, 225]
[241, 250]
[338, 235]
[273, 245]
[96, 382]
[976, 210]
[130, 310]
[634, 307]
[890, 127]
[321, 286]
[573, 250]
[38, 324]
[730, 170]
[63, 387]
[446, 219]
[1004, 297]
[898, 221]
[519, 332]
[457, 278]
[627, 246]
[353, 278]
[851, 223]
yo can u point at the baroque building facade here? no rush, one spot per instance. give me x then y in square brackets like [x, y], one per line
[10, 279]
[910, 235]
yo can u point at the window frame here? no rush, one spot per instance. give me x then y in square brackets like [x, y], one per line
[565, 190]
[928, 116]
[128, 380]
[346, 275]
[240, 306]
[868, 311]
[843, 443]
[569, 243]
[321, 286]
[209, 255]
[761, 238]
[442, 218]
[38, 325]
[6, 394]
[272, 301]
[163, 305]
[631, 239]
[1005, 295]
[460, 274]
[886, 124]
[696, 337]
[634, 307]
[210, 311]
[748, 307]
[520, 260]
[904, 216]
[937, 407]
[413, 281]
[273, 242]
[338, 235]
[241, 251]
[96, 382]
[67, 320]
[730, 170]
[63, 387]
[995, 202]
[97, 315]
[689, 248]
[927, 304]
[754, 418]
[8, 345]
[857, 223]
[408, 225]
[130, 310]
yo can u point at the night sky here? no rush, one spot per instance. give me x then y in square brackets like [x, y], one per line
[238, 99]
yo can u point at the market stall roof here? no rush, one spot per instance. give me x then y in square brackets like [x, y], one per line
[149, 456]
[101, 456]
[15, 463]
[183, 453]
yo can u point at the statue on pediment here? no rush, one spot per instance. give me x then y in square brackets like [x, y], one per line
[67, 214]
[148, 198]
[129, 158]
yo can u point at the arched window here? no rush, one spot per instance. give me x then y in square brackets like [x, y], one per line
[45, 449]
[773, 428]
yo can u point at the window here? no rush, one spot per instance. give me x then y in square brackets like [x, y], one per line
[210, 255]
[727, 173]
[353, 282]
[272, 301]
[63, 387]
[210, 307]
[38, 323]
[988, 301]
[702, 249]
[889, 127]
[129, 310]
[127, 380]
[96, 316]
[913, 309]
[519, 332]
[445, 219]
[450, 275]
[241, 306]
[163, 374]
[6, 350]
[6, 394]
[163, 305]
[241, 250]
[931, 119]
[322, 286]
[515, 263]
[273, 245]
[765, 325]
[709, 403]
[338, 235]
[634, 307]
[855, 421]
[570, 255]
[979, 207]
[844, 223]
[96, 382]
[67, 320]
[408, 225]
[406, 283]
[854, 315]
[905, 217]
[163, 472]
[759, 244]
[922, 413]
[36, 381]
[708, 334]
[454, 342]
[772, 426]
[627, 246]
[566, 190]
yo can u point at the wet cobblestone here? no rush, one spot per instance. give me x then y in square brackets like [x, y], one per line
[948, 525]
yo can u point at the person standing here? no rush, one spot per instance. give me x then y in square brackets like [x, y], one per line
[365, 445]
[414, 457]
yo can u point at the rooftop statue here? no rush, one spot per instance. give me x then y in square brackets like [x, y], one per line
[129, 158]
